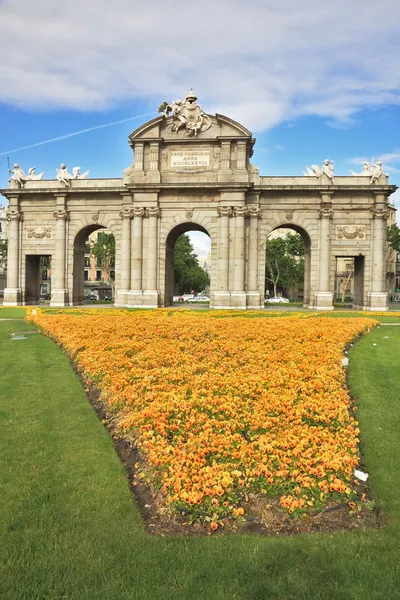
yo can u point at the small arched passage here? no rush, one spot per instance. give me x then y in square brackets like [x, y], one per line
[173, 235]
[307, 257]
[78, 281]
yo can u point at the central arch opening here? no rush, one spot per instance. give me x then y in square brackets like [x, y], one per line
[187, 265]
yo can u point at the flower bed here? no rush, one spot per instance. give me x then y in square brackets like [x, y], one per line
[224, 408]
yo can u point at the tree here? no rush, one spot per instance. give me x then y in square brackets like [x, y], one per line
[104, 252]
[188, 274]
[284, 262]
[394, 237]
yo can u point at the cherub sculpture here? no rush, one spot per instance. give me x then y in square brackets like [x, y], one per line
[326, 169]
[63, 176]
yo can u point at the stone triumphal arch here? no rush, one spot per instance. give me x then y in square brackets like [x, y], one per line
[194, 171]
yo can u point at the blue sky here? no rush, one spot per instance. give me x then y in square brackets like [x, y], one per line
[311, 80]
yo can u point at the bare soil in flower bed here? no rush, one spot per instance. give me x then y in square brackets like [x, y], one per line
[264, 515]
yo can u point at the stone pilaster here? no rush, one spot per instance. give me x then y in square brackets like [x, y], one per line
[241, 150]
[139, 157]
[253, 293]
[238, 295]
[125, 279]
[12, 293]
[225, 155]
[324, 296]
[59, 294]
[377, 297]
[150, 294]
[222, 295]
[135, 296]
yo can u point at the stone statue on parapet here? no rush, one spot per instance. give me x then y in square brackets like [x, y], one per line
[374, 171]
[17, 175]
[186, 114]
[32, 175]
[77, 173]
[326, 169]
[65, 178]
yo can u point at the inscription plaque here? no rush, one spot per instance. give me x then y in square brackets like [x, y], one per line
[190, 158]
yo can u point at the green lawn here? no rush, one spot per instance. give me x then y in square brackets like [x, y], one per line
[69, 528]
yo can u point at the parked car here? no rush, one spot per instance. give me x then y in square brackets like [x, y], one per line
[274, 299]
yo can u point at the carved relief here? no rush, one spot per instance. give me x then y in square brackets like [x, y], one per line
[39, 232]
[350, 232]
[95, 216]
[289, 215]
[189, 214]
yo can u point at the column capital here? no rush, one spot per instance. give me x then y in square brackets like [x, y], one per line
[153, 211]
[224, 211]
[240, 211]
[254, 212]
[138, 212]
[60, 215]
[326, 213]
[126, 213]
[380, 213]
[13, 215]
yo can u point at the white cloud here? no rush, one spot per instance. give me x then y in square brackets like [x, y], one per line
[201, 244]
[261, 61]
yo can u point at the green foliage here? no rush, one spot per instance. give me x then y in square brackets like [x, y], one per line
[284, 263]
[188, 274]
[394, 237]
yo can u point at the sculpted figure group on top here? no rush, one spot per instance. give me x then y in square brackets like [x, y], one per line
[187, 114]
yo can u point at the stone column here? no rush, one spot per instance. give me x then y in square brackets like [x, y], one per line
[58, 263]
[377, 297]
[12, 293]
[222, 296]
[137, 250]
[323, 296]
[238, 295]
[253, 293]
[125, 258]
[225, 155]
[150, 294]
